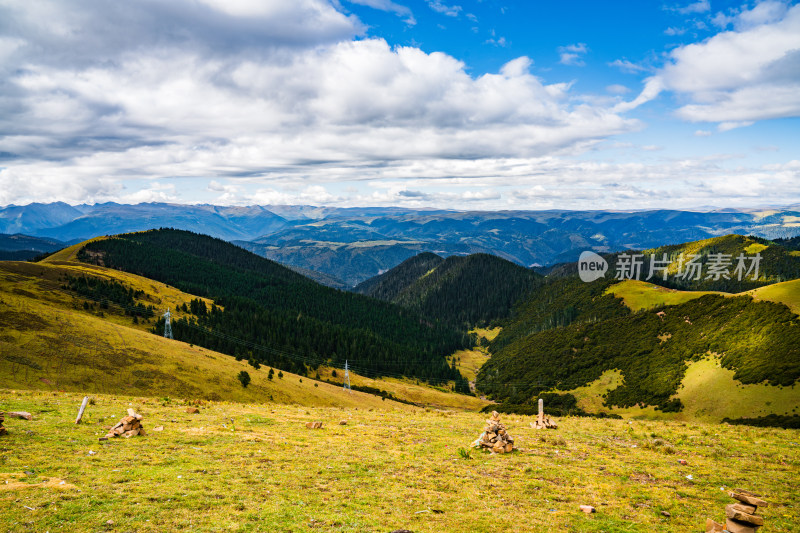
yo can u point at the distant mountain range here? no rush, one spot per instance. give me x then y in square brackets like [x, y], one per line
[350, 245]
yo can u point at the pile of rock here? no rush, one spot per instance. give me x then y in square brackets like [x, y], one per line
[3, 430]
[495, 437]
[127, 427]
[741, 517]
[543, 421]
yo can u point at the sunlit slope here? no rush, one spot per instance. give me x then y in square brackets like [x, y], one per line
[787, 293]
[638, 295]
[46, 345]
[49, 341]
[708, 392]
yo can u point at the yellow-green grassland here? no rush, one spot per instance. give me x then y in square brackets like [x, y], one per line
[256, 467]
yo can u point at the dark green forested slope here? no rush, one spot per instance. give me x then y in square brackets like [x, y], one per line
[776, 263]
[567, 332]
[461, 290]
[268, 305]
[760, 341]
[564, 298]
[390, 284]
[560, 302]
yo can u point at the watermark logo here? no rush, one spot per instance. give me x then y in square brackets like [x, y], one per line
[686, 267]
[591, 266]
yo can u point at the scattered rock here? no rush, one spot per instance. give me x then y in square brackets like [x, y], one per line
[192, 410]
[748, 497]
[314, 425]
[683, 462]
[666, 513]
[588, 509]
[343, 423]
[734, 526]
[495, 437]
[128, 426]
[158, 428]
[740, 517]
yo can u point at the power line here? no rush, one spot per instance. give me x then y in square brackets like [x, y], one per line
[167, 326]
[310, 360]
[346, 385]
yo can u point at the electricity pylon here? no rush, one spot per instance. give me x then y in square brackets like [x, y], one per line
[167, 326]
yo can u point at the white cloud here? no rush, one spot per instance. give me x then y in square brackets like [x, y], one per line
[629, 67]
[500, 41]
[727, 126]
[746, 75]
[572, 54]
[701, 6]
[768, 12]
[391, 7]
[181, 114]
[260, 105]
[617, 89]
[440, 7]
[702, 133]
[157, 192]
[674, 31]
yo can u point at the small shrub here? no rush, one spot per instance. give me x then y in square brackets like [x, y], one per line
[244, 378]
[464, 453]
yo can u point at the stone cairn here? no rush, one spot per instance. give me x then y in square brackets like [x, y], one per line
[741, 517]
[3, 430]
[543, 421]
[127, 427]
[495, 437]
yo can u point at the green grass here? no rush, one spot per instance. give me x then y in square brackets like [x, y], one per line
[385, 470]
[638, 295]
[48, 341]
[787, 293]
[708, 392]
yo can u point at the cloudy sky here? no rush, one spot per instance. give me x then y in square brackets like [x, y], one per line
[467, 104]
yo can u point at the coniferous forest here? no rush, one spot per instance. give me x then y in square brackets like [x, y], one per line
[465, 291]
[269, 315]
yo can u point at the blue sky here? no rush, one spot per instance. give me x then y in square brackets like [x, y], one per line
[464, 104]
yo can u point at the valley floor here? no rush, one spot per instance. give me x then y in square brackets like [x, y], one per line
[256, 467]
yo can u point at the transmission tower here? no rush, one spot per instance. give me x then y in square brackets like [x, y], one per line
[167, 326]
[346, 377]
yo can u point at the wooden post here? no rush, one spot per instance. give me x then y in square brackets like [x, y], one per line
[82, 409]
[541, 413]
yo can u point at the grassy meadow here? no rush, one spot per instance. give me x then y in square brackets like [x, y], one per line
[639, 295]
[50, 342]
[256, 467]
[247, 462]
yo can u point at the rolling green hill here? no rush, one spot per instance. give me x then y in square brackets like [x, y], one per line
[567, 335]
[54, 335]
[777, 263]
[285, 319]
[759, 341]
[475, 290]
[389, 285]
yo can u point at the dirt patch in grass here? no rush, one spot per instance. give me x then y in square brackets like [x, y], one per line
[17, 481]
